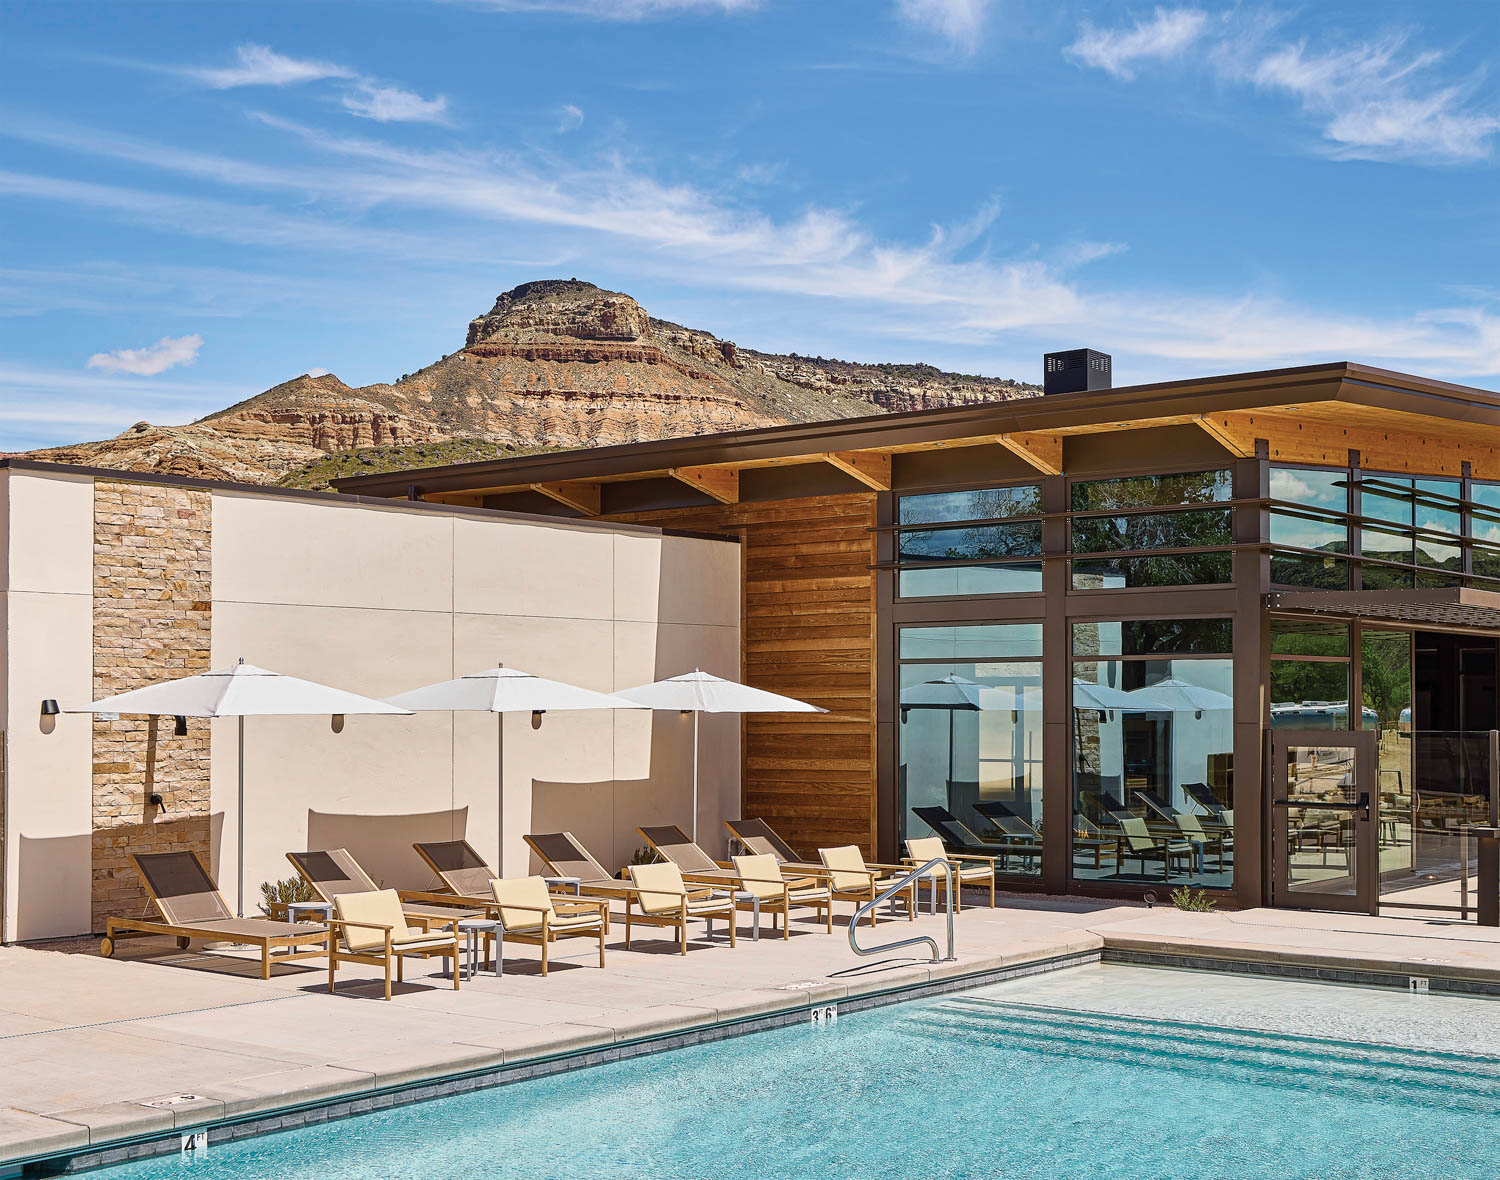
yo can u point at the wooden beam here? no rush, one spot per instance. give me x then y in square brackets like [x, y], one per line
[1224, 432]
[463, 499]
[871, 468]
[722, 483]
[1042, 451]
[580, 495]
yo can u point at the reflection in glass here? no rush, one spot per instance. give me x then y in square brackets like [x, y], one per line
[974, 504]
[1385, 669]
[934, 546]
[1315, 487]
[1153, 745]
[1321, 843]
[970, 757]
[1002, 641]
[1144, 637]
[1306, 637]
[1011, 578]
[1308, 694]
[1146, 491]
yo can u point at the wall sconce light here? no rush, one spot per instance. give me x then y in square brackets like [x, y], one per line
[156, 801]
[536, 718]
[179, 727]
[905, 716]
[336, 723]
[49, 708]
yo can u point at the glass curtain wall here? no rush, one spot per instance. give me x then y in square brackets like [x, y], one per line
[1415, 515]
[969, 740]
[1153, 742]
[1310, 526]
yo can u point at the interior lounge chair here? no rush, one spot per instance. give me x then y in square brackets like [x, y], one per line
[850, 877]
[530, 914]
[757, 836]
[370, 928]
[1138, 840]
[192, 907]
[1194, 832]
[660, 897]
[1203, 796]
[1158, 807]
[967, 870]
[759, 874]
[333, 871]
[959, 838]
[564, 854]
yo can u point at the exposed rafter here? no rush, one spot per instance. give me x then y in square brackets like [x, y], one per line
[1228, 434]
[1042, 451]
[722, 483]
[580, 495]
[871, 468]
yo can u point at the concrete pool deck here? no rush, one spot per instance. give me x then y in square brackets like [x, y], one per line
[100, 1052]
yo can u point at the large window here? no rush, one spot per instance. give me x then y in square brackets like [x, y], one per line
[1309, 675]
[980, 541]
[1139, 547]
[1408, 521]
[1153, 741]
[1311, 523]
[970, 740]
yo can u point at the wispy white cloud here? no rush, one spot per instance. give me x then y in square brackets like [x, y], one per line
[623, 10]
[614, 214]
[166, 353]
[961, 23]
[1374, 100]
[259, 65]
[570, 118]
[1377, 101]
[369, 98]
[1166, 34]
[391, 104]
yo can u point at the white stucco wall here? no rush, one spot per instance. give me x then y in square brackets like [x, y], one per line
[377, 599]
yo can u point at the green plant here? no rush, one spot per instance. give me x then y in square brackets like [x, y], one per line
[641, 856]
[281, 892]
[1194, 900]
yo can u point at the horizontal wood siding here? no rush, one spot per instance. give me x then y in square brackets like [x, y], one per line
[808, 631]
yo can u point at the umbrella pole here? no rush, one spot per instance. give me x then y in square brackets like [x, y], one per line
[500, 793]
[239, 821]
[695, 776]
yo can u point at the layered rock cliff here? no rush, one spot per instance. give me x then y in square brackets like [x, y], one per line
[557, 363]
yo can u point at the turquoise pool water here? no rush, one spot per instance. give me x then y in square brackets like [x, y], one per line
[971, 1085]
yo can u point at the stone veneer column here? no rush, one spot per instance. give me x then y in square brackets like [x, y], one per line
[152, 621]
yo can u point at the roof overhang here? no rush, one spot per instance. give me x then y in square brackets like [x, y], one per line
[1446, 608]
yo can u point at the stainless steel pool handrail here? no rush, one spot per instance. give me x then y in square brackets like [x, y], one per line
[903, 882]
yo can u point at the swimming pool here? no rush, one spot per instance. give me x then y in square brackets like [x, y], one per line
[1053, 1076]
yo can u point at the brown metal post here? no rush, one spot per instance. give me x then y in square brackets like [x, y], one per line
[883, 645]
[1252, 665]
[1057, 696]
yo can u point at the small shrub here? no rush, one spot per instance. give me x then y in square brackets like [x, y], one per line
[281, 892]
[1194, 900]
[641, 856]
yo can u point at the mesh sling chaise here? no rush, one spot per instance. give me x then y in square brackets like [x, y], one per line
[671, 843]
[191, 907]
[757, 836]
[370, 928]
[967, 870]
[463, 872]
[564, 854]
[331, 872]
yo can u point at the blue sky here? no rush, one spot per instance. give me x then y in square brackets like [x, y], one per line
[199, 200]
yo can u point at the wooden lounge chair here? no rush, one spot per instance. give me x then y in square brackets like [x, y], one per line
[333, 871]
[968, 870]
[851, 878]
[192, 907]
[663, 898]
[565, 855]
[370, 928]
[671, 843]
[761, 875]
[530, 914]
[757, 836]
[463, 872]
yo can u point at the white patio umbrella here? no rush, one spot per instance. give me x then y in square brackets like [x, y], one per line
[241, 690]
[501, 690]
[1103, 698]
[1177, 696]
[697, 692]
[955, 694]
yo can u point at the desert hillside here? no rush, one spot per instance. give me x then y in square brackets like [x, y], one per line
[553, 364]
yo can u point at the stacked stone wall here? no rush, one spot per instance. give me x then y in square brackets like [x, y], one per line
[152, 620]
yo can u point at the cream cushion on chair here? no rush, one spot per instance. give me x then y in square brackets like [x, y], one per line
[532, 893]
[383, 908]
[924, 848]
[846, 865]
[762, 875]
[660, 886]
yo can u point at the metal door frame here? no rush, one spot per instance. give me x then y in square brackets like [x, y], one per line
[1366, 898]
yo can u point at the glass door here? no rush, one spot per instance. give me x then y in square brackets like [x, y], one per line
[1322, 822]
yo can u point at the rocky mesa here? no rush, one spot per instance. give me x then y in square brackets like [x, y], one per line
[553, 364]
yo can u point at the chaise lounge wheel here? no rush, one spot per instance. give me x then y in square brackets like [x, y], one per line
[107, 947]
[182, 942]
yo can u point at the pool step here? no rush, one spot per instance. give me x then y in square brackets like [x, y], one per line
[1250, 1055]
